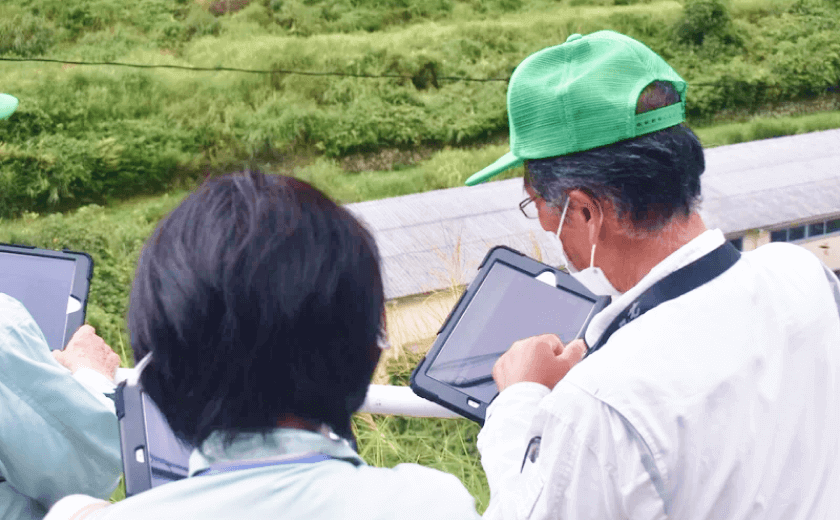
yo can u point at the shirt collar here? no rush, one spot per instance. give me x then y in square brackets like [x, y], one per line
[701, 245]
[277, 442]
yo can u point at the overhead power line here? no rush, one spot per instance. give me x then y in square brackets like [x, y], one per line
[248, 71]
[426, 72]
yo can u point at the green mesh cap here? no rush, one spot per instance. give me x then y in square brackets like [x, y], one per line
[8, 105]
[580, 95]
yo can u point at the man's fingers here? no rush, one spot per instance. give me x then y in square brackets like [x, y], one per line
[573, 352]
[552, 340]
[84, 331]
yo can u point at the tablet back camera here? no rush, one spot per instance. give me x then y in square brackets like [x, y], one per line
[73, 305]
[548, 278]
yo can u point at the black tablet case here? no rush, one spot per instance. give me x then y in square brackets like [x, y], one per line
[152, 470]
[449, 396]
[79, 288]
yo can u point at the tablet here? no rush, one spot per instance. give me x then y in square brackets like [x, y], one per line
[52, 285]
[151, 453]
[513, 297]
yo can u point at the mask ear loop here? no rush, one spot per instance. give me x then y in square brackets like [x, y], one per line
[600, 225]
[138, 369]
[563, 217]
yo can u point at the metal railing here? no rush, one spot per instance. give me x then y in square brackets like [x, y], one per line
[381, 399]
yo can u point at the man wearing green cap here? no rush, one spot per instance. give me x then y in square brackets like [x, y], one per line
[710, 386]
[58, 428]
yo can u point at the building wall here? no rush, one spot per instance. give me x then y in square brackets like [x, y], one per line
[754, 239]
[826, 247]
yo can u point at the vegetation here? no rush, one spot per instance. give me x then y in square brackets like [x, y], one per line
[86, 134]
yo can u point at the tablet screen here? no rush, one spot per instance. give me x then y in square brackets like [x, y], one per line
[509, 305]
[168, 457]
[43, 285]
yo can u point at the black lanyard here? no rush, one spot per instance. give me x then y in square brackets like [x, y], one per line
[681, 281]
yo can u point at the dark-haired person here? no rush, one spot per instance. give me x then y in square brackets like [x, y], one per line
[58, 430]
[260, 303]
[710, 386]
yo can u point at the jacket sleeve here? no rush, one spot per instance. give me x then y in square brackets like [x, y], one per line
[503, 439]
[56, 437]
[76, 507]
[578, 459]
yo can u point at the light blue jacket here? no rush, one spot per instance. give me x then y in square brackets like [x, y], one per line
[338, 489]
[56, 437]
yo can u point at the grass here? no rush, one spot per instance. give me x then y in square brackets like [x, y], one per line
[448, 168]
[766, 127]
[93, 134]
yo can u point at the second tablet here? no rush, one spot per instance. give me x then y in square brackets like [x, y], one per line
[513, 297]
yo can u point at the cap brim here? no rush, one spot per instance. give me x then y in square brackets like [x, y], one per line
[505, 162]
[8, 105]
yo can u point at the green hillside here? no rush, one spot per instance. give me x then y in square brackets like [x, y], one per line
[92, 134]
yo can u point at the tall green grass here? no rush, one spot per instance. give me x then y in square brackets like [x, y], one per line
[766, 127]
[94, 134]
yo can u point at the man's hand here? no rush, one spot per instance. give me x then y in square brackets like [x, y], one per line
[539, 359]
[87, 350]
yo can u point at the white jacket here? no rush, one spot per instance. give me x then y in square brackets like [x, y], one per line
[721, 403]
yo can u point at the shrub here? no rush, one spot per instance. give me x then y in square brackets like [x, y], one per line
[220, 7]
[58, 172]
[703, 18]
[25, 36]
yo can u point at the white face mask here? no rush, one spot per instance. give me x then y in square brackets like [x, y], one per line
[593, 278]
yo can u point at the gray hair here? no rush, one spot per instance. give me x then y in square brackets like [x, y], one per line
[648, 179]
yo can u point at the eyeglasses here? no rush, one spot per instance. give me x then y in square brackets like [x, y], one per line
[527, 209]
[531, 211]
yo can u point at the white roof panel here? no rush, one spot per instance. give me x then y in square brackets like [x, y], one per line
[426, 239]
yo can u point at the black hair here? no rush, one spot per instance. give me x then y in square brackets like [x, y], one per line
[650, 179]
[259, 297]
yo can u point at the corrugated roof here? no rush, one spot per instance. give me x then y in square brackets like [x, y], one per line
[772, 183]
[428, 240]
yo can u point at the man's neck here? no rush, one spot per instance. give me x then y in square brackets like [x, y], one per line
[293, 421]
[633, 258]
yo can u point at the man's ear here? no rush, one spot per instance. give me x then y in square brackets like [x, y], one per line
[589, 211]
